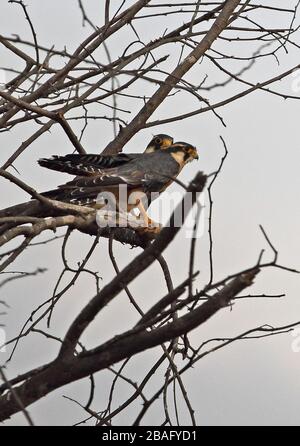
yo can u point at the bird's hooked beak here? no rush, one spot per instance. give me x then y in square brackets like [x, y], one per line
[193, 153]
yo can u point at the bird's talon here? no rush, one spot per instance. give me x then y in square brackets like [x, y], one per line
[154, 229]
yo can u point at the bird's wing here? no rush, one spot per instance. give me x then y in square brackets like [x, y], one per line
[86, 165]
[149, 173]
[84, 190]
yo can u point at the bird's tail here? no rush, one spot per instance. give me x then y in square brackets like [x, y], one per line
[73, 195]
[82, 165]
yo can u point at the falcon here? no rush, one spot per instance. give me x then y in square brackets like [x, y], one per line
[149, 173]
[89, 165]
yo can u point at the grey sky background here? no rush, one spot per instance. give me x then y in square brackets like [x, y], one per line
[250, 382]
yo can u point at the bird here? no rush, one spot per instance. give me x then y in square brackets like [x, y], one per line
[150, 173]
[89, 164]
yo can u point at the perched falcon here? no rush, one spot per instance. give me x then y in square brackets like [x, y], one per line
[89, 165]
[142, 175]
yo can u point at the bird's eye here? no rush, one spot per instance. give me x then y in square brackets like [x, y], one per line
[158, 140]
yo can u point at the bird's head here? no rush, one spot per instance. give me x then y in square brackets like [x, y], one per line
[159, 142]
[183, 152]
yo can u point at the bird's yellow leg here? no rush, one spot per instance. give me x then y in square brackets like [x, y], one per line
[150, 225]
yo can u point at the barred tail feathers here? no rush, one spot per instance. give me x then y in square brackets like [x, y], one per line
[83, 165]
